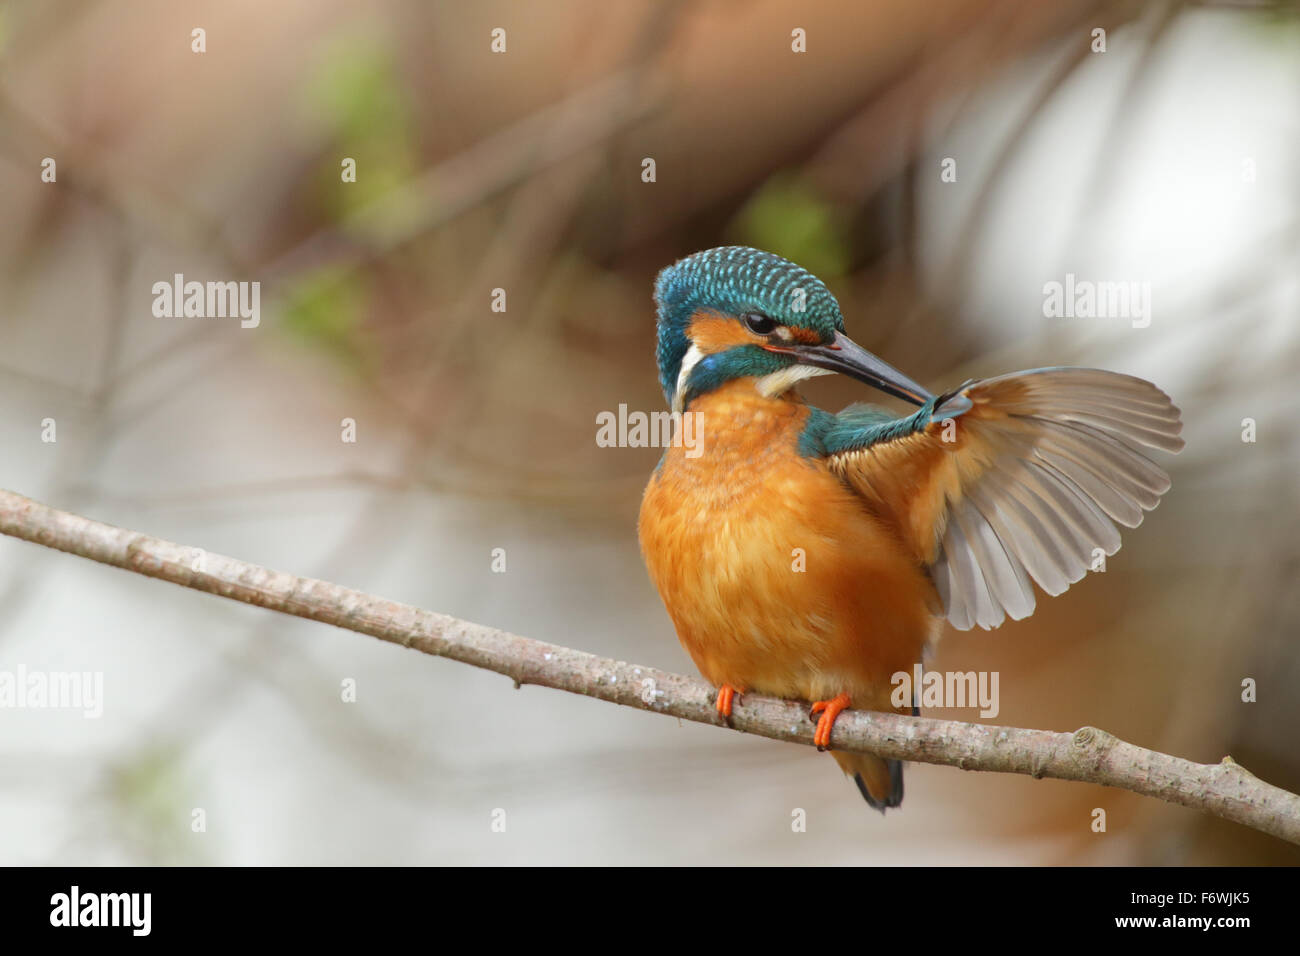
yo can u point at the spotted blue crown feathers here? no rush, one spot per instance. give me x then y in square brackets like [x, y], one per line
[733, 280]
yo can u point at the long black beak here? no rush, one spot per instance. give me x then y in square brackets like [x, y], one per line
[847, 357]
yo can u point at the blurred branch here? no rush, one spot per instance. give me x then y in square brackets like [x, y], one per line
[1089, 755]
[582, 121]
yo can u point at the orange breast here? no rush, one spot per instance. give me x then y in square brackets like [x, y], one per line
[777, 577]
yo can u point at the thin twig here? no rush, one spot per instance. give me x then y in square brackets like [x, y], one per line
[1225, 789]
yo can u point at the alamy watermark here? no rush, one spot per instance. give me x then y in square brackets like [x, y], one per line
[22, 689]
[947, 689]
[1088, 299]
[637, 429]
[208, 300]
[131, 911]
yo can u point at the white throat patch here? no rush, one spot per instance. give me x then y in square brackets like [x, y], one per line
[769, 386]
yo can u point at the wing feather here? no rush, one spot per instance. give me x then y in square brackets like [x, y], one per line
[1042, 467]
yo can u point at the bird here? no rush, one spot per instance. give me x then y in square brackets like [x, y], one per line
[812, 555]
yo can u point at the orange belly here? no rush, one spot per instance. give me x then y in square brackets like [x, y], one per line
[777, 577]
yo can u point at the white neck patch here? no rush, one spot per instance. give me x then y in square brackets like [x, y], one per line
[769, 386]
[689, 361]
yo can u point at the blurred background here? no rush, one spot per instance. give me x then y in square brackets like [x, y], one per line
[1170, 158]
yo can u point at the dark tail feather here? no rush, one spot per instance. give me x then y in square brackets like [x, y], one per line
[879, 781]
[895, 796]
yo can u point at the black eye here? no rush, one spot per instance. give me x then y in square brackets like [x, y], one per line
[758, 323]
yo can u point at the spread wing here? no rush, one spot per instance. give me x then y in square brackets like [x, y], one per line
[1016, 477]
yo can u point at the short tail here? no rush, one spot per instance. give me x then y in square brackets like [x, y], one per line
[880, 781]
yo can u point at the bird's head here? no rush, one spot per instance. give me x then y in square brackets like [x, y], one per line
[735, 312]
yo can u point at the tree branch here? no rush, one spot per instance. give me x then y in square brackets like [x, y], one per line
[1225, 789]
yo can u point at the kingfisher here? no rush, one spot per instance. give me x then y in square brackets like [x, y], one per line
[809, 555]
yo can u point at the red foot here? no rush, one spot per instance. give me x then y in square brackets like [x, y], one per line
[726, 696]
[829, 710]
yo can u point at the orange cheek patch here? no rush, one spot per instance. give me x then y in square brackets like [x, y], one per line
[807, 336]
[717, 333]
[713, 333]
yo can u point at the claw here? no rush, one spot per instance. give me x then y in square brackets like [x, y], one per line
[829, 710]
[726, 697]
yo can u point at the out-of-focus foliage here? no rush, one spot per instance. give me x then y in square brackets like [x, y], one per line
[356, 91]
[787, 216]
[148, 795]
[326, 308]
